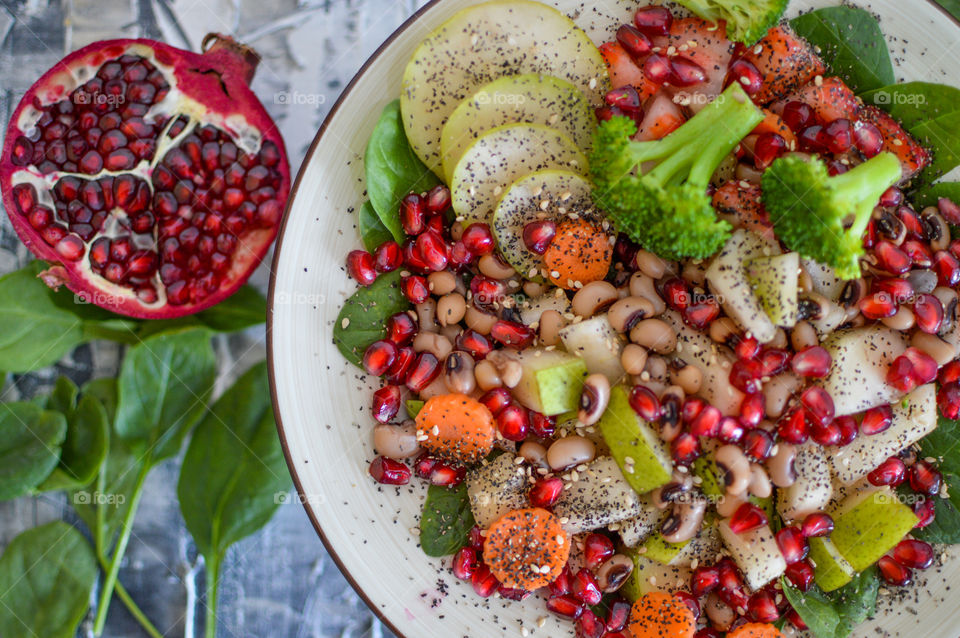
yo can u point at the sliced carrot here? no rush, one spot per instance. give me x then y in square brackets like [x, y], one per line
[624, 71]
[456, 427]
[785, 61]
[661, 615]
[739, 204]
[526, 549]
[913, 157]
[830, 99]
[579, 253]
[755, 630]
[773, 123]
[662, 117]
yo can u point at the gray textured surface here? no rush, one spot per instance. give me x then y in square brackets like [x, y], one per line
[280, 582]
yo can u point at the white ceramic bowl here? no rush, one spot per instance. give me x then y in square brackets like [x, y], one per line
[322, 402]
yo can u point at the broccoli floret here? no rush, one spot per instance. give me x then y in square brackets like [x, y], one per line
[667, 209]
[811, 211]
[747, 20]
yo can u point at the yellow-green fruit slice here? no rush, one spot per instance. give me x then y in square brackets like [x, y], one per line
[641, 454]
[869, 525]
[832, 570]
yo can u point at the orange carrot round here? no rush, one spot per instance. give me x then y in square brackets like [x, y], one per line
[579, 253]
[661, 615]
[755, 630]
[526, 549]
[456, 427]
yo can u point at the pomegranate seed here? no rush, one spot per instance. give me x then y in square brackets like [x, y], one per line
[401, 328]
[949, 210]
[546, 492]
[388, 256]
[476, 539]
[746, 347]
[899, 290]
[925, 479]
[561, 586]
[496, 399]
[584, 586]
[626, 99]
[424, 371]
[478, 239]
[792, 544]
[891, 259]
[438, 199]
[389, 472]
[752, 409]
[825, 435]
[397, 374]
[413, 214]
[386, 403]
[707, 422]
[892, 197]
[819, 404]
[607, 113]
[379, 356]
[848, 429]
[950, 373]
[762, 607]
[948, 400]
[706, 632]
[653, 20]
[686, 72]
[893, 471]
[745, 375]
[700, 315]
[589, 626]
[731, 431]
[424, 465]
[685, 449]
[924, 366]
[816, 525]
[465, 563]
[800, 574]
[912, 222]
[947, 268]
[513, 422]
[868, 139]
[360, 266]
[901, 374]
[657, 68]
[876, 420]
[919, 253]
[459, 255]
[412, 258]
[597, 548]
[814, 361]
[794, 619]
[757, 444]
[433, 250]
[541, 425]
[773, 361]
[687, 599]
[747, 518]
[810, 139]
[476, 344]
[792, 426]
[633, 41]
[748, 76]
[444, 475]
[510, 593]
[618, 615]
[768, 147]
[538, 235]
[645, 403]
[838, 136]
[797, 115]
[565, 606]
[414, 288]
[893, 573]
[692, 408]
[512, 334]
[484, 582]
[878, 305]
[486, 291]
[914, 554]
[676, 294]
[925, 510]
[704, 580]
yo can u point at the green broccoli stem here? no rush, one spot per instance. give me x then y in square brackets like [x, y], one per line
[859, 189]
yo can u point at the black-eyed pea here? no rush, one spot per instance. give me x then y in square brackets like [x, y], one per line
[441, 283]
[643, 286]
[451, 308]
[614, 572]
[487, 375]
[654, 334]
[594, 298]
[396, 441]
[734, 469]
[633, 358]
[479, 320]
[628, 312]
[458, 372]
[550, 324]
[492, 265]
[594, 398]
[570, 451]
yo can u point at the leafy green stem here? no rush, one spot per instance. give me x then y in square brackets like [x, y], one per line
[212, 585]
[129, 603]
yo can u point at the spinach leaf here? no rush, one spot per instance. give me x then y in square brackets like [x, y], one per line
[393, 170]
[943, 444]
[945, 527]
[835, 615]
[930, 194]
[815, 609]
[30, 442]
[372, 231]
[931, 113]
[46, 576]
[952, 7]
[362, 319]
[851, 43]
[447, 520]
[232, 474]
[87, 440]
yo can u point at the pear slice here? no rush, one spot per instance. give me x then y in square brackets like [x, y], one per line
[551, 381]
[824, 279]
[831, 570]
[599, 497]
[554, 299]
[598, 344]
[413, 407]
[650, 576]
[812, 489]
[870, 524]
[861, 359]
[641, 454]
[636, 530]
[495, 489]
[529, 98]
[502, 156]
[774, 280]
[756, 553]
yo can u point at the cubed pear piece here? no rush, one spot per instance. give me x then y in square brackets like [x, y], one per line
[914, 417]
[831, 570]
[727, 275]
[598, 344]
[650, 576]
[812, 489]
[551, 381]
[636, 530]
[703, 547]
[660, 550]
[869, 525]
[495, 489]
[705, 468]
[861, 359]
[599, 497]
[824, 279]
[641, 453]
[555, 299]
[756, 554]
[774, 282]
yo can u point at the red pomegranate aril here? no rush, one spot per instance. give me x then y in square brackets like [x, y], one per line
[645, 403]
[792, 426]
[424, 465]
[912, 553]
[745, 375]
[949, 210]
[624, 98]
[901, 374]
[653, 20]
[389, 472]
[924, 366]
[510, 593]
[438, 199]
[589, 626]
[676, 294]
[597, 548]
[706, 632]
[893, 471]
[762, 607]
[747, 518]
[657, 68]
[800, 574]
[810, 139]
[413, 214]
[478, 239]
[878, 305]
[925, 510]
[924, 478]
[731, 430]
[546, 492]
[747, 75]
[386, 403]
[819, 404]
[686, 72]
[752, 410]
[825, 434]
[868, 139]
[701, 314]
[618, 615]
[633, 42]
[361, 267]
[919, 253]
[893, 573]
[949, 373]
[892, 197]
[792, 544]
[928, 312]
[704, 580]
[838, 136]
[433, 250]
[891, 259]
[513, 422]
[947, 268]
[685, 449]
[688, 599]
[773, 361]
[561, 585]
[401, 328]
[485, 584]
[541, 425]
[486, 291]
[412, 258]
[465, 563]
[444, 475]
[584, 586]
[565, 606]
[459, 256]
[607, 113]
[707, 423]
[70, 248]
[397, 374]
[729, 574]
[496, 399]
[768, 147]
[797, 115]
[948, 400]
[379, 356]
[757, 444]
[512, 334]
[816, 525]
[812, 362]
[876, 420]
[423, 371]
[538, 235]
[692, 408]
[478, 345]
[745, 347]
[388, 256]
[414, 288]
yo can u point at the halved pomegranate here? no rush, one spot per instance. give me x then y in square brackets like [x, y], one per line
[152, 179]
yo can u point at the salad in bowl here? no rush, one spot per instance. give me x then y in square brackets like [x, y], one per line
[667, 323]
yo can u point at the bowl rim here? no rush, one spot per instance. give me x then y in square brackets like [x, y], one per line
[278, 246]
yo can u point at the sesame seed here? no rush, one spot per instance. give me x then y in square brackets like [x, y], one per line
[345, 323]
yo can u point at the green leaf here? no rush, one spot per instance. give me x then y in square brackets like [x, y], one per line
[163, 389]
[393, 169]
[87, 440]
[362, 319]
[931, 113]
[447, 520]
[815, 609]
[952, 7]
[234, 469]
[930, 194]
[46, 576]
[836, 614]
[851, 43]
[30, 443]
[945, 527]
[372, 231]
[943, 444]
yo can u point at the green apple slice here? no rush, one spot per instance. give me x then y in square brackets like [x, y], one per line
[637, 529]
[870, 524]
[551, 382]
[530, 98]
[861, 359]
[482, 43]
[641, 454]
[549, 194]
[502, 156]
[774, 281]
[831, 570]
